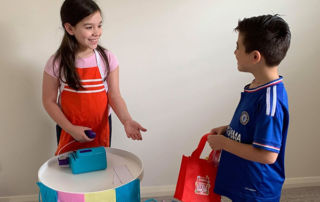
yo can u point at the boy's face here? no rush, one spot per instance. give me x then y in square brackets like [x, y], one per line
[243, 58]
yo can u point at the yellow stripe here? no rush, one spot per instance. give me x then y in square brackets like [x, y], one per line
[105, 196]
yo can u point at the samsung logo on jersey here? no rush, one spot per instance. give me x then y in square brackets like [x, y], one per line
[232, 134]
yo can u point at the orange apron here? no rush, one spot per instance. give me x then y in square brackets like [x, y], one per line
[86, 107]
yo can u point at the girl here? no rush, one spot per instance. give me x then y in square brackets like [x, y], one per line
[87, 78]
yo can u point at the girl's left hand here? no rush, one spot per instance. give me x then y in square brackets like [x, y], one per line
[133, 129]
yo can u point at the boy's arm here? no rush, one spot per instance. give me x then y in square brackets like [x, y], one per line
[245, 151]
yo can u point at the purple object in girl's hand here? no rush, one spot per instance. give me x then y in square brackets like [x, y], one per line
[90, 134]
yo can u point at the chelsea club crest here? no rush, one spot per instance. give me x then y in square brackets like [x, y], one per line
[244, 118]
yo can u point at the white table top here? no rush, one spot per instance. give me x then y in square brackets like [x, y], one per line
[61, 178]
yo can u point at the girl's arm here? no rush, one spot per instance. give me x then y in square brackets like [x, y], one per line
[119, 106]
[245, 151]
[50, 87]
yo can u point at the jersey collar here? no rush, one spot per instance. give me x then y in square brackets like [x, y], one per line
[271, 83]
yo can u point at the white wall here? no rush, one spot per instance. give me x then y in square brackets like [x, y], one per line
[177, 72]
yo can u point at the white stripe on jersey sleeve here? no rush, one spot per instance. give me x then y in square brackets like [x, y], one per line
[274, 101]
[268, 101]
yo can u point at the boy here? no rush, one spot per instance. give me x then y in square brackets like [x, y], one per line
[251, 166]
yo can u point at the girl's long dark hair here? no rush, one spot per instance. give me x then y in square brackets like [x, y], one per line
[73, 11]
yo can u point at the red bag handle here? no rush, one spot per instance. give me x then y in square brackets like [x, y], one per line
[196, 153]
[214, 155]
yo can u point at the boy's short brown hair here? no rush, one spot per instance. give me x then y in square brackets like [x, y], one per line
[268, 34]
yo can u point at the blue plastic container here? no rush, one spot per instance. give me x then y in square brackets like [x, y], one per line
[87, 160]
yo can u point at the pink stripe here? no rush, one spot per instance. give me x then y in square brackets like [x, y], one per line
[259, 88]
[70, 197]
[267, 146]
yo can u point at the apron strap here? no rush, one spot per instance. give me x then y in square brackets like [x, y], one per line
[98, 58]
[60, 91]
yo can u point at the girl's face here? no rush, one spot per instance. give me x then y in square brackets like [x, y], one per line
[87, 32]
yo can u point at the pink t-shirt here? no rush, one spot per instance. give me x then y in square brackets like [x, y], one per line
[82, 63]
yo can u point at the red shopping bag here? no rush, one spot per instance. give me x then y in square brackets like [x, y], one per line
[197, 176]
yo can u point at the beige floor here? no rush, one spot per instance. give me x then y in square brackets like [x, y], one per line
[308, 194]
[305, 194]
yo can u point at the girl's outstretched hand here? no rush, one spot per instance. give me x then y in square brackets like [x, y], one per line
[133, 129]
[78, 134]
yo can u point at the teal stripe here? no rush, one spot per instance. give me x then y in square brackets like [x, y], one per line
[47, 194]
[129, 192]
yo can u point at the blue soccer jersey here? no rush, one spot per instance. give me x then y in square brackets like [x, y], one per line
[261, 119]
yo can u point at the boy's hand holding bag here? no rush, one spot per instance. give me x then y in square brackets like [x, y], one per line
[197, 176]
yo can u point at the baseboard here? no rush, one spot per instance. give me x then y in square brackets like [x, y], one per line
[301, 182]
[157, 191]
[160, 191]
[168, 190]
[20, 198]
